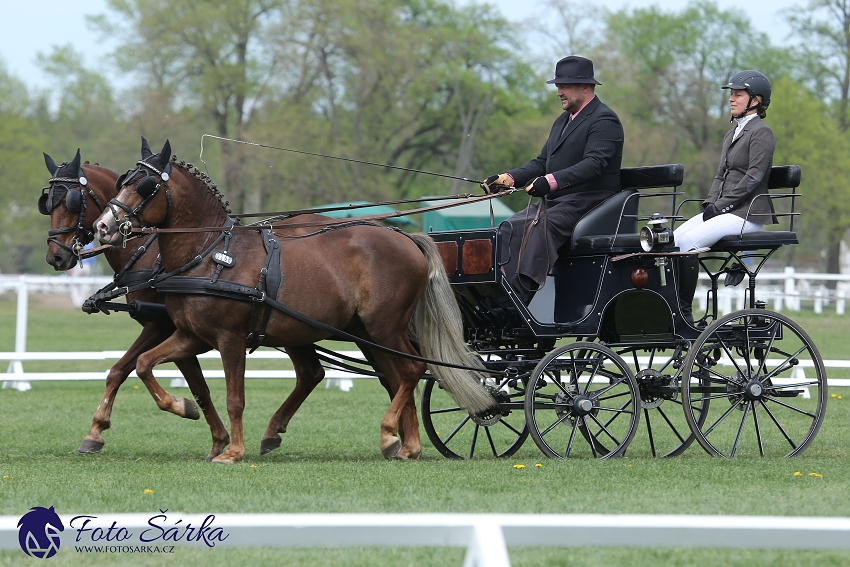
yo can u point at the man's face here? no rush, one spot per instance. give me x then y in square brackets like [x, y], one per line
[738, 99]
[572, 96]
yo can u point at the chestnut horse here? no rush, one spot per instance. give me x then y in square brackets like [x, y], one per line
[361, 278]
[76, 195]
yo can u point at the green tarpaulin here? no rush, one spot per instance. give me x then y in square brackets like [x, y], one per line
[471, 215]
[399, 221]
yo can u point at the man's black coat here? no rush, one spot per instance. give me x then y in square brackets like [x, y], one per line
[585, 159]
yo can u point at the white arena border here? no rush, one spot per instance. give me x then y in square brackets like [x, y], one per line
[486, 537]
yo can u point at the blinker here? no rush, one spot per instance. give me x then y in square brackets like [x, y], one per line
[146, 187]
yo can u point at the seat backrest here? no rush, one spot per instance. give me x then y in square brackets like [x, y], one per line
[618, 213]
[784, 177]
[615, 215]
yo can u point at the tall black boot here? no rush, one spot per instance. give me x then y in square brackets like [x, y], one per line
[688, 274]
[524, 286]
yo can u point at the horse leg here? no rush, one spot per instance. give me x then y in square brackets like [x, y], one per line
[150, 336]
[391, 385]
[191, 370]
[232, 349]
[308, 374]
[401, 415]
[178, 347]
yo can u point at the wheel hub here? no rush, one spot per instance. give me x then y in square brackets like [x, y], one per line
[582, 405]
[654, 388]
[489, 419]
[753, 391]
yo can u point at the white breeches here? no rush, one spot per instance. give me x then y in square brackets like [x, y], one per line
[695, 233]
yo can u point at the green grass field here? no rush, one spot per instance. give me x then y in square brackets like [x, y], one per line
[330, 462]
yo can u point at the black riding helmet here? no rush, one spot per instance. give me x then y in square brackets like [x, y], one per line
[756, 84]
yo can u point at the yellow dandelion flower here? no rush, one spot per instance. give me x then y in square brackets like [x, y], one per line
[135, 387]
[538, 465]
[519, 466]
[833, 395]
[253, 466]
[798, 473]
[5, 476]
[148, 491]
[840, 397]
[816, 475]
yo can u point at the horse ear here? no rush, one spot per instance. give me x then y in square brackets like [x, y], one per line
[74, 166]
[146, 149]
[51, 165]
[164, 155]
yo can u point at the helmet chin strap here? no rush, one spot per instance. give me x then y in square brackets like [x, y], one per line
[746, 110]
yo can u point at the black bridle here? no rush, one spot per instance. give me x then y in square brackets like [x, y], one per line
[147, 187]
[73, 192]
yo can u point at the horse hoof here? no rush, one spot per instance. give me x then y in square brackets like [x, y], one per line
[190, 410]
[269, 445]
[88, 447]
[225, 459]
[391, 452]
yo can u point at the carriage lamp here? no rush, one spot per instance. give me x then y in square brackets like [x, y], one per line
[656, 235]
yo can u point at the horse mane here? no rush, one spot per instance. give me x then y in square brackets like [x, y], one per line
[205, 179]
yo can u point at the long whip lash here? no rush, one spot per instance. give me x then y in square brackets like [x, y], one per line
[201, 157]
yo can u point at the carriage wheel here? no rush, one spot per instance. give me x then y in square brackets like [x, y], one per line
[664, 432]
[586, 388]
[766, 382]
[457, 435]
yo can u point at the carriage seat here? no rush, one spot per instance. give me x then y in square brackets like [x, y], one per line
[613, 224]
[781, 177]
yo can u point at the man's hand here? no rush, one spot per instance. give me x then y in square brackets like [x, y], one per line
[496, 183]
[539, 187]
[709, 212]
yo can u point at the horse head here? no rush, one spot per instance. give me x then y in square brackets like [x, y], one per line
[137, 205]
[73, 188]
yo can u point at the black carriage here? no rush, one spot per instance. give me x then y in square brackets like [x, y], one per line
[750, 382]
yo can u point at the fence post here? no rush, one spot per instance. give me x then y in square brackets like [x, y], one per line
[839, 302]
[791, 293]
[819, 300]
[15, 366]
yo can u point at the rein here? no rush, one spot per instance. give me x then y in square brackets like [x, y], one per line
[329, 222]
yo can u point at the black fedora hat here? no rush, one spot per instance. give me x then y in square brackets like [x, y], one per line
[574, 69]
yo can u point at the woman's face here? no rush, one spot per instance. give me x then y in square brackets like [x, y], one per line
[738, 99]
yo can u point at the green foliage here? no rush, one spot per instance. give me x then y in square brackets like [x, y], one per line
[423, 84]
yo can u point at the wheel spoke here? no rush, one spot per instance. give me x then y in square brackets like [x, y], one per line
[758, 430]
[509, 426]
[474, 441]
[558, 422]
[570, 442]
[778, 425]
[790, 407]
[740, 429]
[603, 428]
[649, 431]
[447, 410]
[490, 440]
[458, 428]
[670, 424]
[719, 419]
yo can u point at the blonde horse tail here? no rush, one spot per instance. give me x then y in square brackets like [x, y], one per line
[437, 326]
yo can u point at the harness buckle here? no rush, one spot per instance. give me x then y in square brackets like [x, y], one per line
[260, 299]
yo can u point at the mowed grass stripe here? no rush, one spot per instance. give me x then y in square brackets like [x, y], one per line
[330, 462]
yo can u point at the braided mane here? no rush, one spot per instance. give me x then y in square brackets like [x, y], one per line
[206, 179]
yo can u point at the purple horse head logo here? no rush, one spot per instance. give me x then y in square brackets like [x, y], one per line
[38, 532]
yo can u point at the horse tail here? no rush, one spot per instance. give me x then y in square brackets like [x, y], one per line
[437, 326]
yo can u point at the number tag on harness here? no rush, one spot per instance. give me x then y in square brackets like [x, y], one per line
[223, 258]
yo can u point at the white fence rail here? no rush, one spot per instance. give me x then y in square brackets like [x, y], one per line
[487, 537]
